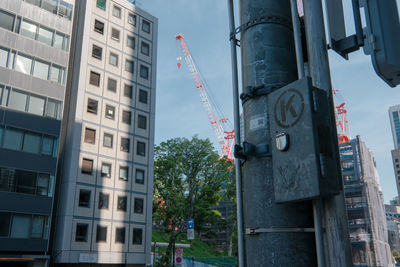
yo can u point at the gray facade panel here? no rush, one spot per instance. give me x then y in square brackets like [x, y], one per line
[24, 203]
[23, 245]
[27, 161]
[32, 84]
[31, 122]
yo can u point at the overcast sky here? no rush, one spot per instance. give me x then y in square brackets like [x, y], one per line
[204, 24]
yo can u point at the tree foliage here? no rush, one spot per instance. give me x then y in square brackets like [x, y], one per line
[188, 176]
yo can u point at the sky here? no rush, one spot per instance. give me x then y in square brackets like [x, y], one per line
[204, 24]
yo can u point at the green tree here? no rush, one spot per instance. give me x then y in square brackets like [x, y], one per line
[188, 175]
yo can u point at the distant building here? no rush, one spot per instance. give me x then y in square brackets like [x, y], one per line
[365, 206]
[393, 223]
[104, 211]
[34, 51]
[394, 115]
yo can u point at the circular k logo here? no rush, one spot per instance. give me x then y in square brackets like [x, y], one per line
[289, 108]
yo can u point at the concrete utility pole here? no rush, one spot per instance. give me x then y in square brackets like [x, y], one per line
[276, 234]
[333, 210]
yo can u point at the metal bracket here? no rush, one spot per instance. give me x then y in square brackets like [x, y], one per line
[260, 150]
[258, 90]
[255, 231]
[261, 20]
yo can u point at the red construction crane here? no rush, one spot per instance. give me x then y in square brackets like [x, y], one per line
[225, 138]
[341, 119]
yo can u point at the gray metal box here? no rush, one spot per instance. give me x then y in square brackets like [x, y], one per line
[305, 161]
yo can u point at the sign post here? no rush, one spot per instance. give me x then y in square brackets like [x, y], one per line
[190, 229]
[178, 257]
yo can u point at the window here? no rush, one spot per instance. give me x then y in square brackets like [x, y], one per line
[130, 42]
[137, 236]
[97, 52]
[101, 233]
[57, 74]
[128, 89]
[396, 160]
[142, 96]
[50, 5]
[20, 226]
[139, 177]
[142, 122]
[90, 136]
[65, 10]
[125, 143]
[92, 106]
[108, 140]
[138, 208]
[26, 182]
[116, 11]
[53, 109]
[45, 36]
[94, 78]
[84, 198]
[18, 100]
[81, 232]
[132, 19]
[23, 64]
[397, 166]
[61, 41]
[129, 66]
[144, 72]
[47, 145]
[110, 112]
[43, 185]
[140, 148]
[120, 235]
[106, 169]
[32, 142]
[113, 59]
[87, 166]
[146, 26]
[41, 70]
[112, 85]
[101, 4]
[123, 173]
[115, 34]
[36, 105]
[6, 20]
[103, 200]
[5, 224]
[28, 29]
[37, 226]
[126, 117]
[3, 57]
[122, 201]
[98, 26]
[13, 139]
[145, 49]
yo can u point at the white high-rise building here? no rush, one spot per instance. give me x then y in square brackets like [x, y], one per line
[104, 206]
[394, 114]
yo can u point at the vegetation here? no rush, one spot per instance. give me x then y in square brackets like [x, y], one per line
[188, 178]
[396, 256]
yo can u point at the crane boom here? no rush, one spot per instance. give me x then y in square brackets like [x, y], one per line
[218, 129]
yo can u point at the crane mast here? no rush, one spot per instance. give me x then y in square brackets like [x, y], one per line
[225, 142]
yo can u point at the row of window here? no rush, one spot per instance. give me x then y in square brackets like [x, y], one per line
[112, 87]
[23, 226]
[97, 51]
[28, 102]
[81, 234]
[144, 71]
[27, 141]
[32, 66]
[108, 141]
[59, 7]
[33, 30]
[26, 182]
[122, 201]
[117, 12]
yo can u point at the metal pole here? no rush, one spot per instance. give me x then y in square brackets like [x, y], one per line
[333, 210]
[236, 115]
[269, 62]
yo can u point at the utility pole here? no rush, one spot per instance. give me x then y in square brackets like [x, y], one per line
[275, 234]
[334, 216]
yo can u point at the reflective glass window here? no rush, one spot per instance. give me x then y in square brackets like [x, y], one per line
[144, 72]
[59, 40]
[101, 233]
[81, 232]
[146, 26]
[108, 140]
[47, 145]
[116, 11]
[25, 182]
[3, 57]
[6, 20]
[115, 34]
[123, 173]
[137, 236]
[45, 36]
[106, 169]
[128, 89]
[50, 5]
[36, 105]
[20, 226]
[43, 184]
[37, 226]
[142, 96]
[55, 74]
[13, 139]
[23, 64]
[130, 42]
[41, 69]
[132, 19]
[65, 10]
[34, 2]
[4, 96]
[4, 224]
[53, 109]
[32, 142]
[145, 49]
[138, 205]
[113, 59]
[18, 100]
[120, 235]
[139, 177]
[122, 203]
[103, 200]
[101, 4]
[129, 66]
[28, 29]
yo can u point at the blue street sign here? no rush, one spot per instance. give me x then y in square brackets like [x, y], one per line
[190, 224]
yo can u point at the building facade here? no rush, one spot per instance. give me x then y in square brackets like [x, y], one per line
[34, 50]
[365, 206]
[394, 113]
[393, 223]
[104, 208]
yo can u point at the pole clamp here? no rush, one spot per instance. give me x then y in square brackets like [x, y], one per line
[266, 19]
[260, 150]
[258, 90]
[255, 231]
